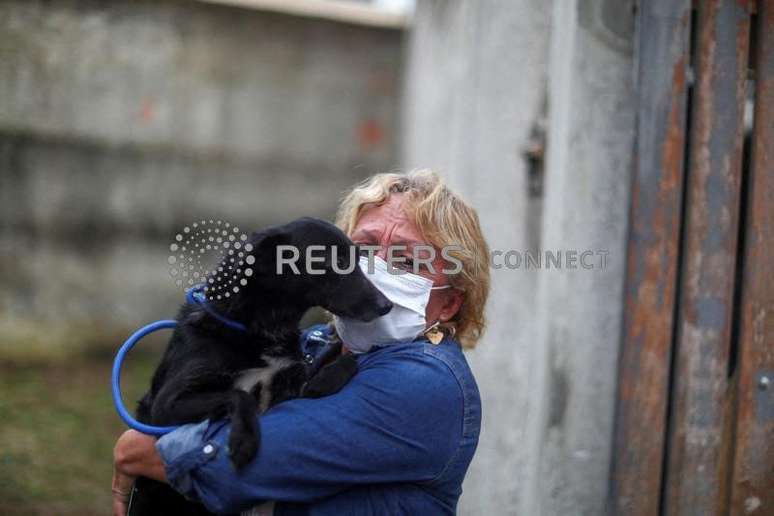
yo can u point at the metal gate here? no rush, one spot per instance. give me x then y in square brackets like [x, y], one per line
[695, 409]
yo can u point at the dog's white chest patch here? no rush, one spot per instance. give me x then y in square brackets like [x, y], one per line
[249, 378]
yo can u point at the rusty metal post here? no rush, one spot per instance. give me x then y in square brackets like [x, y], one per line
[699, 441]
[652, 254]
[752, 488]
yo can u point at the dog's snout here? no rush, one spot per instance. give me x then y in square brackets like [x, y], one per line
[383, 306]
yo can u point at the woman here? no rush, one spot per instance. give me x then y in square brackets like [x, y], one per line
[399, 437]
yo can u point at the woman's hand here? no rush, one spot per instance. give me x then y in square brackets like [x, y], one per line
[134, 455]
[122, 488]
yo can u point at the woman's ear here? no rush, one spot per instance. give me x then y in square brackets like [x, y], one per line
[451, 304]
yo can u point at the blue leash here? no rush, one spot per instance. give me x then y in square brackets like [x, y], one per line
[195, 296]
[115, 378]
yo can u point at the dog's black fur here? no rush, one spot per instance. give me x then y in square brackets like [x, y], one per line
[203, 373]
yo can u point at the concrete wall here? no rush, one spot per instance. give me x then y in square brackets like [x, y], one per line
[479, 75]
[120, 122]
[476, 77]
[579, 312]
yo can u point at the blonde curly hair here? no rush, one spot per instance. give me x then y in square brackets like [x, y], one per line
[444, 220]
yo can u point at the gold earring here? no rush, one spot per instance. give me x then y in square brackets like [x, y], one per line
[434, 333]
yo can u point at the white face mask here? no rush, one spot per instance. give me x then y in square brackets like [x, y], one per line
[409, 294]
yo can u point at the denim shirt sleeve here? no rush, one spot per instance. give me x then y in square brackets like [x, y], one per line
[398, 420]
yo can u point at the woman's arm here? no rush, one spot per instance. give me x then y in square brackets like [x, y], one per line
[399, 420]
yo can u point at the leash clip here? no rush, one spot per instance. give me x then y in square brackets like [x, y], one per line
[196, 296]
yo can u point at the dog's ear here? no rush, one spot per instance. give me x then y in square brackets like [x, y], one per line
[265, 244]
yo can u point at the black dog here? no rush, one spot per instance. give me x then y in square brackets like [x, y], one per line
[212, 370]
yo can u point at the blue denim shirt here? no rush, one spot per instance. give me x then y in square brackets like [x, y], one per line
[397, 439]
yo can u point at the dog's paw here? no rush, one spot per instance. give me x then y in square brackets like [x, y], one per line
[242, 449]
[330, 378]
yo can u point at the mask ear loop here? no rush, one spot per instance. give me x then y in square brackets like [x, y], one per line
[434, 326]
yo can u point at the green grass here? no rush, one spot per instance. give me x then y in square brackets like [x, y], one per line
[57, 421]
[58, 428]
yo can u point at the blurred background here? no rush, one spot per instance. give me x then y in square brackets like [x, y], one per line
[121, 122]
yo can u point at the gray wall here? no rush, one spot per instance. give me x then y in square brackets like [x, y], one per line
[476, 80]
[479, 76]
[578, 312]
[120, 122]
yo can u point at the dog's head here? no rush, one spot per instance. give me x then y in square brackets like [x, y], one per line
[314, 263]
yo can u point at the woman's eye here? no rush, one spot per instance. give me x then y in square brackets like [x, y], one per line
[405, 263]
